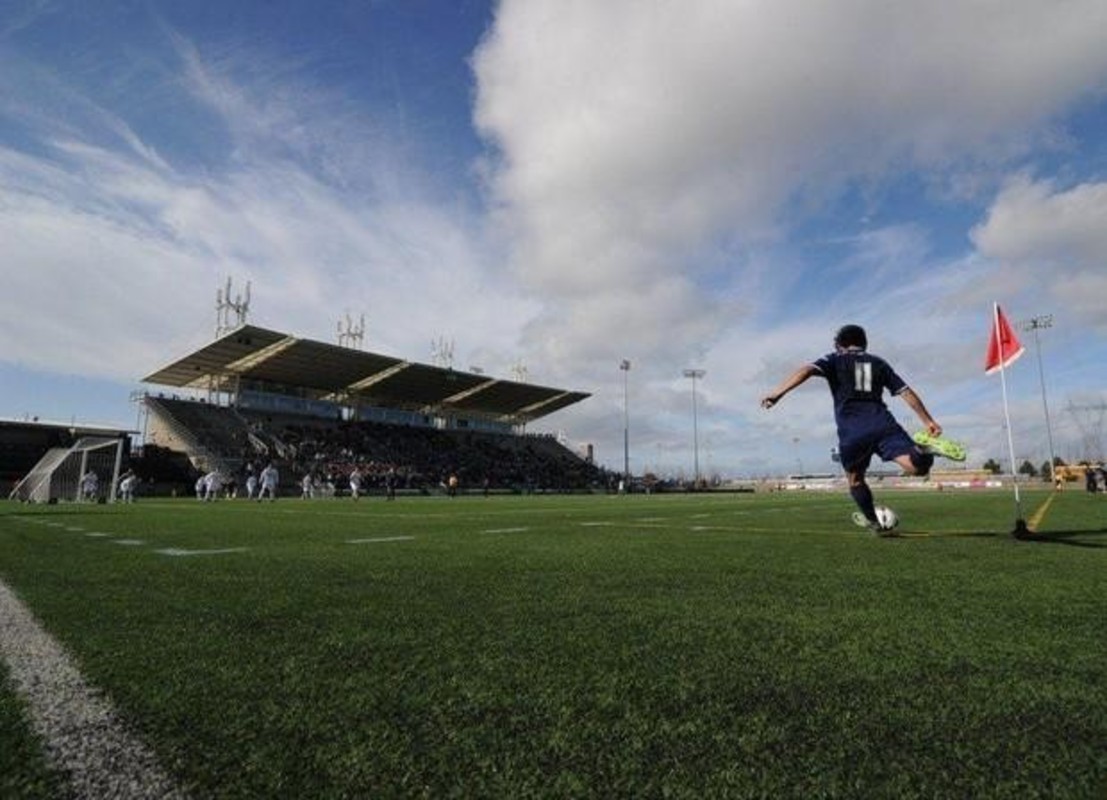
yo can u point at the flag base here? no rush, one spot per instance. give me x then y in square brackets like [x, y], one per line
[1021, 530]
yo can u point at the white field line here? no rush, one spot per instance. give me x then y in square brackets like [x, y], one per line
[180, 552]
[83, 734]
[505, 530]
[380, 539]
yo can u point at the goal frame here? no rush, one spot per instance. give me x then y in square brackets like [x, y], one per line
[57, 475]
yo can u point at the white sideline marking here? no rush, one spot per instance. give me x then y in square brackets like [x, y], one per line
[181, 552]
[83, 734]
[505, 530]
[380, 539]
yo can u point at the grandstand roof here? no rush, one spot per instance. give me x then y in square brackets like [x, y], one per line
[281, 362]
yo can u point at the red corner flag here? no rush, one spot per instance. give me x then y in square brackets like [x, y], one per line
[1003, 345]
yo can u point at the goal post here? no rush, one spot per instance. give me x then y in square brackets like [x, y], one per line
[88, 471]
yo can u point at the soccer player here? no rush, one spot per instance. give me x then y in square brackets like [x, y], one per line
[857, 380]
[127, 487]
[270, 479]
[90, 486]
[355, 482]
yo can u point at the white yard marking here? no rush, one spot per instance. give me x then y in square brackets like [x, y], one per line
[75, 530]
[380, 539]
[98, 535]
[505, 530]
[596, 524]
[178, 552]
[128, 542]
[83, 735]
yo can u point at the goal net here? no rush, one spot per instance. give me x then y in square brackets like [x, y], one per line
[86, 472]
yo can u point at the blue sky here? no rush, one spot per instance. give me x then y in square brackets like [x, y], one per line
[564, 184]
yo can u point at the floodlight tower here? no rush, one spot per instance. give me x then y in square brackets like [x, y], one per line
[351, 335]
[225, 307]
[695, 374]
[442, 352]
[624, 365]
[1035, 324]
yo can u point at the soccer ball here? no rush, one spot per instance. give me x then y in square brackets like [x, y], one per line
[887, 517]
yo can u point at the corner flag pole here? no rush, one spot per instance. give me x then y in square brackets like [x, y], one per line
[1001, 337]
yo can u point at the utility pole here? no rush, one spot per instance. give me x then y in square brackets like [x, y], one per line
[1035, 324]
[695, 374]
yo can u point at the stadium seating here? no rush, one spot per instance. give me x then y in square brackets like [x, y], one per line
[422, 458]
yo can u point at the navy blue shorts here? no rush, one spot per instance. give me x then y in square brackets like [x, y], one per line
[858, 450]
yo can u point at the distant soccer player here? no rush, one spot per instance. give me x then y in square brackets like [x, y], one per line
[213, 482]
[270, 479]
[866, 427]
[127, 487]
[355, 482]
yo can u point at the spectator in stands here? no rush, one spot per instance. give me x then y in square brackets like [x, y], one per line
[270, 480]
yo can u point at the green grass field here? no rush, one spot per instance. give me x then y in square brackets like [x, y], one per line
[666, 646]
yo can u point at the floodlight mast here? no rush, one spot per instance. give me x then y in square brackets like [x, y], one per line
[1035, 324]
[442, 352]
[624, 365]
[225, 307]
[695, 374]
[351, 335]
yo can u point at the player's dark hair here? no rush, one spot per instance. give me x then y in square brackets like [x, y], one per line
[851, 336]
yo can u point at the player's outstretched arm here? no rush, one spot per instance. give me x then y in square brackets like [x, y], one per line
[916, 404]
[787, 385]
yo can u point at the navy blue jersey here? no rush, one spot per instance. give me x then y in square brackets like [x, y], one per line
[857, 381]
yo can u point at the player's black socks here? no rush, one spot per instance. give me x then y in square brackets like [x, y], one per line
[922, 462]
[863, 496]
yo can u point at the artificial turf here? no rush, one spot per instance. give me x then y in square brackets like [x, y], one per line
[664, 646]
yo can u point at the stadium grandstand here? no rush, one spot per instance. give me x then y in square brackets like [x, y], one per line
[321, 410]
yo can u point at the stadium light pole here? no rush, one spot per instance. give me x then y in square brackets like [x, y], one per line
[1035, 324]
[624, 365]
[695, 374]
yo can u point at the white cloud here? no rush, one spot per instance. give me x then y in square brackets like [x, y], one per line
[113, 252]
[631, 132]
[1035, 227]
